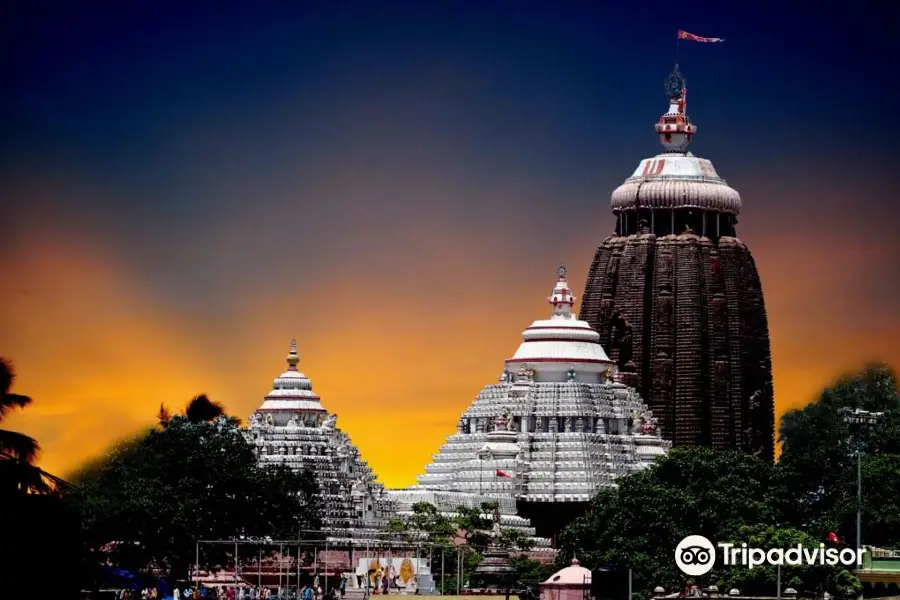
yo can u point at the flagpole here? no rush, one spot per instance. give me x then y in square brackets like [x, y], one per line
[779, 581]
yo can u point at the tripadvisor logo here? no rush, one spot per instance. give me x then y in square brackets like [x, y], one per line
[695, 555]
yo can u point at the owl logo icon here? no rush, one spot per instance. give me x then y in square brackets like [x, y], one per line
[695, 555]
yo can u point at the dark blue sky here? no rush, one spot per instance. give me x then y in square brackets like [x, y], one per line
[181, 177]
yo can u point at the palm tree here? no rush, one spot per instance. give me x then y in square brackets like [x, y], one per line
[201, 409]
[164, 416]
[18, 451]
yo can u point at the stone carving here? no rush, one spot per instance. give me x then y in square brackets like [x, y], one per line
[702, 289]
[503, 421]
[570, 376]
[330, 422]
[539, 425]
[504, 376]
[255, 419]
[292, 422]
[270, 420]
[567, 426]
[622, 338]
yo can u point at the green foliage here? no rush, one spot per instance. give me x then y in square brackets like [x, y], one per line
[425, 523]
[818, 458]
[152, 497]
[513, 539]
[762, 580]
[18, 452]
[691, 491]
[530, 572]
[724, 496]
[474, 524]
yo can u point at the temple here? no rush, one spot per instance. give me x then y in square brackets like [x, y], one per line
[676, 297]
[293, 428]
[556, 428]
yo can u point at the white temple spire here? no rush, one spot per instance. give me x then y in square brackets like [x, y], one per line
[561, 298]
[293, 358]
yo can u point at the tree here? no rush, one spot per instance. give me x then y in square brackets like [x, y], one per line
[146, 503]
[201, 408]
[425, 523]
[530, 572]
[18, 452]
[163, 416]
[475, 523]
[818, 455]
[761, 580]
[470, 524]
[691, 491]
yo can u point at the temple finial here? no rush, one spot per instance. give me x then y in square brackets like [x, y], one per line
[293, 358]
[675, 128]
[561, 297]
[675, 84]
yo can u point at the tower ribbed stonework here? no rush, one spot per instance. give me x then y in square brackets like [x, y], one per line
[677, 300]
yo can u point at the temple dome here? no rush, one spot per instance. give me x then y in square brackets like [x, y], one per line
[676, 181]
[676, 178]
[574, 574]
[292, 390]
[562, 342]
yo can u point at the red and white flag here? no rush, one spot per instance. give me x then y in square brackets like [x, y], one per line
[684, 35]
[503, 474]
[833, 537]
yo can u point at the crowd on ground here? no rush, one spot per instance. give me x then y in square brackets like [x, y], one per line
[254, 592]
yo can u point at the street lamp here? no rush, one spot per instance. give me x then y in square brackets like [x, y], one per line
[859, 418]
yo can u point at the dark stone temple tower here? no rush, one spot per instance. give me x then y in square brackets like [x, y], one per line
[677, 300]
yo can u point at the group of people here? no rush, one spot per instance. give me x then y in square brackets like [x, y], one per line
[307, 592]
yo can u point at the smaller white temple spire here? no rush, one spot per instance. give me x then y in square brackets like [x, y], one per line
[561, 298]
[293, 358]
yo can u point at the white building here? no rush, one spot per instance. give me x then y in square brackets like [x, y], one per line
[556, 428]
[293, 428]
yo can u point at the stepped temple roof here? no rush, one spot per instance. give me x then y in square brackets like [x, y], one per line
[291, 427]
[557, 427]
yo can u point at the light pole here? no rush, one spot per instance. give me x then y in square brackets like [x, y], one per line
[859, 418]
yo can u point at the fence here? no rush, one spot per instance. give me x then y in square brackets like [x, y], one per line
[291, 564]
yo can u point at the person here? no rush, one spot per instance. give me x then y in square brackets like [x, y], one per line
[307, 593]
[385, 584]
[343, 586]
[175, 594]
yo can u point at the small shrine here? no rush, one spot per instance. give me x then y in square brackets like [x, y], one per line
[571, 583]
[495, 574]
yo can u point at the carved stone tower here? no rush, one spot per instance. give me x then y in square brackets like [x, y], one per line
[677, 300]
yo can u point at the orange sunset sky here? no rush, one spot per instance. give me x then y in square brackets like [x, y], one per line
[398, 200]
